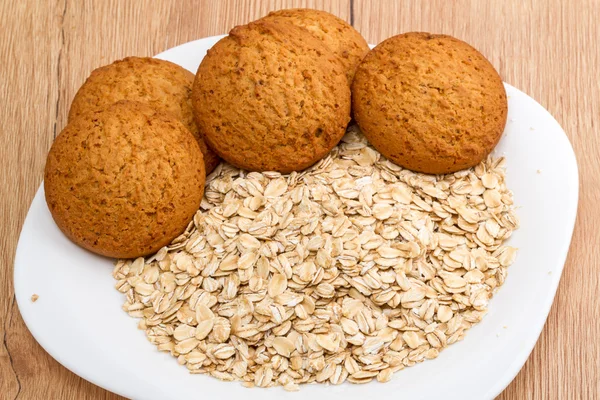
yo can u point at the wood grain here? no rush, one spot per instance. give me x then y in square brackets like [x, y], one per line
[548, 49]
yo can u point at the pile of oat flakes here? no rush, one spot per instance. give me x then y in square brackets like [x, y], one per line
[348, 271]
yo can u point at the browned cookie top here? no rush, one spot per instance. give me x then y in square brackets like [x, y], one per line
[339, 36]
[124, 181]
[158, 83]
[430, 103]
[270, 96]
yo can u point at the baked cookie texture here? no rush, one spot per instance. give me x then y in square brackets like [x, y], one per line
[124, 181]
[271, 97]
[430, 103]
[158, 83]
[339, 36]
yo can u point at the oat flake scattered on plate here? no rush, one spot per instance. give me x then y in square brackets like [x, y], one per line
[348, 271]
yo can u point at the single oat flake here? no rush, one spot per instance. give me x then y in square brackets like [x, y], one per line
[348, 271]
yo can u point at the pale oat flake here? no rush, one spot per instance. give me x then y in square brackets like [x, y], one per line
[348, 271]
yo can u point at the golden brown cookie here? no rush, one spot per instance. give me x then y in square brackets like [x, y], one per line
[271, 97]
[124, 181]
[161, 84]
[339, 36]
[430, 103]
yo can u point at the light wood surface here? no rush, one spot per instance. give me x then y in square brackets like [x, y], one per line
[549, 49]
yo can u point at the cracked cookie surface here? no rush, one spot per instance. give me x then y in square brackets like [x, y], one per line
[161, 84]
[339, 36]
[430, 103]
[124, 181]
[271, 97]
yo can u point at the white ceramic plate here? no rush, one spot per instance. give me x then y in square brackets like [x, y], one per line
[79, 321]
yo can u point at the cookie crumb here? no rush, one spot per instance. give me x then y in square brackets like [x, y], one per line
[505, 326]
[34, 298]
[531, 128]
[539, 171]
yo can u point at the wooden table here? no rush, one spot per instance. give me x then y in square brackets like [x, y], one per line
[549, 49]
